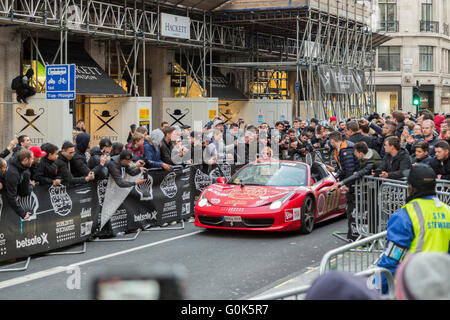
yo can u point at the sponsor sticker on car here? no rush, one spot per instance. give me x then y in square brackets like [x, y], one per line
[292, 214]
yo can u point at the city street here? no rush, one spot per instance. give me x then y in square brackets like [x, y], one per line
[221, 265]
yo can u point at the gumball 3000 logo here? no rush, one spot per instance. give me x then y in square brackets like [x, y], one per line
[168, 185]
[60, 199]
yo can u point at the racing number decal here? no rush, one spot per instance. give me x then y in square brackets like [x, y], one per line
[333, 200]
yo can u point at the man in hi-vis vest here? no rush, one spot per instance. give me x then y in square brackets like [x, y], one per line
[423, 224]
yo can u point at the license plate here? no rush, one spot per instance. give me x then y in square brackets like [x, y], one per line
[232, 219]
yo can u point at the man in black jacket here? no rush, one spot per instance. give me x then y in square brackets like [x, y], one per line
[99, 158]
[47, 171]
[119, 165]
[167, 146]
[352, 133]
[441, 164]
[63, 164]
[10, 147]
[399, 119]
[396, 161]
[17, 181]
[78, 164]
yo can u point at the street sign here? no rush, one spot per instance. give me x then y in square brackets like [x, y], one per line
[60, 81]
[297, 86]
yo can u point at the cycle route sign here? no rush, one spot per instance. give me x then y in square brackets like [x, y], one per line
[60, 81]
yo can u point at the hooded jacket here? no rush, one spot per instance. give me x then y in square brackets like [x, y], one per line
[395, 166]
[63, 167]
[17, 182]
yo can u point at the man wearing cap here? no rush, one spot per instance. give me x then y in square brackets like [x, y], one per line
[121, 164]
[38, 154]
[333, 123]
[422, 225]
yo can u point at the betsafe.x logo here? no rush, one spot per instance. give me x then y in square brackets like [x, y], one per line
[36, 240]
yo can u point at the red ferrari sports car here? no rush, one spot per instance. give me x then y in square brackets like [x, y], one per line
[272, 196]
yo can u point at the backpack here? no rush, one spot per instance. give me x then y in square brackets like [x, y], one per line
[16, 83]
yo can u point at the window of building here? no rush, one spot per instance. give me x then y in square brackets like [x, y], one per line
[388, 15]
[426, 58]
[427, 10]
[448, 61]
[389, 59]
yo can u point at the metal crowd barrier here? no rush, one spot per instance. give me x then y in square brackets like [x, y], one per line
[355, 257]
[377, 198]
[359, 257]
[300, 293]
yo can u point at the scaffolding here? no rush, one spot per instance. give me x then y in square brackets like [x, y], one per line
[261, 43]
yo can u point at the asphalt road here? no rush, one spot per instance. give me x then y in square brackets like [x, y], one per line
[221, 265]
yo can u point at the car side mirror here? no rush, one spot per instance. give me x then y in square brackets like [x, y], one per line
[327, 184]
[221, 180]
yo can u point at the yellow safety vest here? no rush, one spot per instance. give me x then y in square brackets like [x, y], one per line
[431, 222]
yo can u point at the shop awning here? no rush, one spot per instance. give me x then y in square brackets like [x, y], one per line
[91, 79]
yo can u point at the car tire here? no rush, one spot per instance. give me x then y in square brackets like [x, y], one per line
[307, 215]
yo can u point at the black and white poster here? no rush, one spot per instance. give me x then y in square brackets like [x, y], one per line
[61, 217]
[341, 80]
[164, 197]
[66, 216]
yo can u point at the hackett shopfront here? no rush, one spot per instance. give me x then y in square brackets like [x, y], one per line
[106, 108]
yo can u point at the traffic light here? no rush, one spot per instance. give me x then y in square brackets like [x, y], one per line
[416, 100]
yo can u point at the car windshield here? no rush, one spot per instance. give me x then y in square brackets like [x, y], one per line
[275, 174]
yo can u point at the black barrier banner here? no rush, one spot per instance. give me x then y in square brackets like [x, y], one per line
[165, 197]
[61, 217]
[203, 176]
[341, 80]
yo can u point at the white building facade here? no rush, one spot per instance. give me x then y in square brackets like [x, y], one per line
[418, 54]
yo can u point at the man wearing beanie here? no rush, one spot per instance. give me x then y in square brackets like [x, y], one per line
[424, 276]
[422, 225]
[119, 165]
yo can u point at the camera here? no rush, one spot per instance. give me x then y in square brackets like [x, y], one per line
[377, 172]
[160, 283]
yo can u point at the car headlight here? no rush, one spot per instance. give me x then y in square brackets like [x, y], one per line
[202, 201]
[278, 203]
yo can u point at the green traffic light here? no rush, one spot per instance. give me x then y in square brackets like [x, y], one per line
[416, 100]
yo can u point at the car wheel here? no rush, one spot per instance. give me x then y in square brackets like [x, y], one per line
[307, 216]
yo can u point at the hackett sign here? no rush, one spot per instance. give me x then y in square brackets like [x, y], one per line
[175, 26]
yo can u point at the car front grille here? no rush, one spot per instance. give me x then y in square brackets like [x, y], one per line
[246, 223]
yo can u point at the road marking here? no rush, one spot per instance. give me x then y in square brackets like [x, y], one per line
[311, 270]
[59, 269]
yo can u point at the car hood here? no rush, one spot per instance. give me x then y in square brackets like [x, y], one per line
[245, 197]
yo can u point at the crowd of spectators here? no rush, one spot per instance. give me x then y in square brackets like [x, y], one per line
[381, 145]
